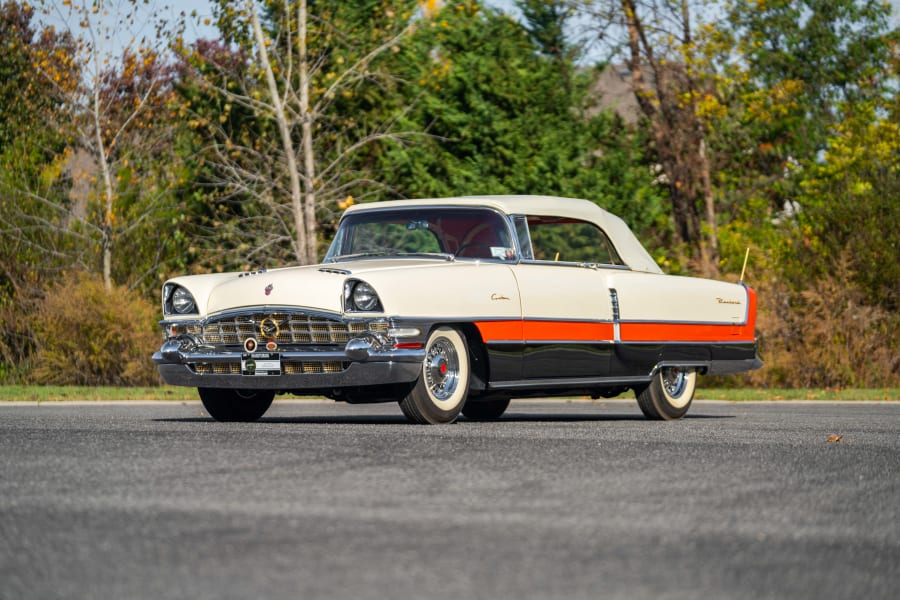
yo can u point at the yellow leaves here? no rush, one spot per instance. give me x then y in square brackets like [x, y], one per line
[431, 7]
[709, 107]
[861, 188]
[776, 102]
[53, 170]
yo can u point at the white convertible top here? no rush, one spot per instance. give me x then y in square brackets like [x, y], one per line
[627, 245]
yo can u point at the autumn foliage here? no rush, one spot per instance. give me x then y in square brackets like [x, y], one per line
[132, 150]
[85, 334]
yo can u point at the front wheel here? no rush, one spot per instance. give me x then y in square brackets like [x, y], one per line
[669, 394]
[236, 405]
[443, 384]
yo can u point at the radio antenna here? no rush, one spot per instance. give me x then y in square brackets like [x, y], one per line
[744, 268]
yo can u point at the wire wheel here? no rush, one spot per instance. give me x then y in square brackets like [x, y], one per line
[443, 386]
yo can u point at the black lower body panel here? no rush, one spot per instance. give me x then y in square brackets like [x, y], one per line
[597, 366]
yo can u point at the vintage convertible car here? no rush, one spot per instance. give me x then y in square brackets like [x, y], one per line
[458, 305]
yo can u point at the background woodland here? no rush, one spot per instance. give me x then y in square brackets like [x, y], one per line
[132, 150]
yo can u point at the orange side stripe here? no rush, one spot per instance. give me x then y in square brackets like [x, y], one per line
[540, 331]
[494, 331]
[590, 331]
[680, 332]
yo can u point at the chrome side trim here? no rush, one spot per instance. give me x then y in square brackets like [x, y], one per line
[568, 382]
[614, 300]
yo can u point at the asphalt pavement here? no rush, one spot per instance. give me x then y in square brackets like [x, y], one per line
[555, 500]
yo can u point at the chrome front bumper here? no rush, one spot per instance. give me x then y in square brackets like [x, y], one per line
[362, 362]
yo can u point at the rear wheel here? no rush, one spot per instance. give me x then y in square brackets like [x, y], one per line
[236, 405]
[443, 384]
[669, 394]
[486, 409]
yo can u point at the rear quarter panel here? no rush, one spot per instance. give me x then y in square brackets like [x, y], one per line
[665, 307]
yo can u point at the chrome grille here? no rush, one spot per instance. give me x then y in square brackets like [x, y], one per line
[289, 367]
[293, 328]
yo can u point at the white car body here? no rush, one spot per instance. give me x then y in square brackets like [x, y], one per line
[530, 326]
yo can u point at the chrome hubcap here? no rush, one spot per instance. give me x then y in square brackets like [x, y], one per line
[674, 381]
[441, 369]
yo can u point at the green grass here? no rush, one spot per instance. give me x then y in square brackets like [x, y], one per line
[36, 393]
[52, 393]
[843, 394]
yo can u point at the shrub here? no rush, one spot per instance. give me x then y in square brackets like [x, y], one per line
[827, 335]
[834, 339]
[86, 335]
[17, 304]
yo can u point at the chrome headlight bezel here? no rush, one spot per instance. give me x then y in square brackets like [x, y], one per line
[177, 300]
[360, 296]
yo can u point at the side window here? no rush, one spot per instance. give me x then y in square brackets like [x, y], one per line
[570, 240]
[522, 234]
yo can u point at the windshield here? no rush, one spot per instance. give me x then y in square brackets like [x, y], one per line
[448, 233]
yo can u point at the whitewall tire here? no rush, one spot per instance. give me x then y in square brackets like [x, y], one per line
[440, 393]
[669, 394]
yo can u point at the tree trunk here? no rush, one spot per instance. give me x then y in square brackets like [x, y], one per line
[309, 162]
[678, 135]
[301, 244]
[106, 229]
[711, 255]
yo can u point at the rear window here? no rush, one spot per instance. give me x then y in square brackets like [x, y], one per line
[570, 240]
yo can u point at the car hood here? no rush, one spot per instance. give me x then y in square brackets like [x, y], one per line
[295, 286]
[317, 287]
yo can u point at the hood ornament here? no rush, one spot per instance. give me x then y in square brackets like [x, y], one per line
[269, 289]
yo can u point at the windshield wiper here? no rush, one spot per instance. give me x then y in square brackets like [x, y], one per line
[392, 253]
[441, 255]
[359, 255]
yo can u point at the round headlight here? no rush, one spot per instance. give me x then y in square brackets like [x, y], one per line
[364, 297]
[182, 301]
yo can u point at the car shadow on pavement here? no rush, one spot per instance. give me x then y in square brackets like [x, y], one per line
[383, 419]
[577, 417]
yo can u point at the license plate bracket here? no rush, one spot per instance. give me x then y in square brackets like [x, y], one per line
[258, 364]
